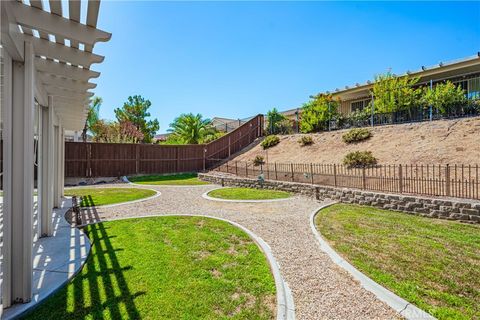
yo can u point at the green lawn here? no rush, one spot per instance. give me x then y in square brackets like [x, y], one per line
[432, 263]
[174, 179]
[247, 194]
[167, 268]
[104, 196]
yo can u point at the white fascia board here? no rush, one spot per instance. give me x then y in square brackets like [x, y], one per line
[11, 36]
[54, 24]
[67, 93]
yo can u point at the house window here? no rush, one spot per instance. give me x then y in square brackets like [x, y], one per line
[360, 105]
[473, 91]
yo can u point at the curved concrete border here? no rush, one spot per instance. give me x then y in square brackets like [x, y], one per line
[167, 185]
[285, 304]
[157, 194]
[206, 196]
[402, 306]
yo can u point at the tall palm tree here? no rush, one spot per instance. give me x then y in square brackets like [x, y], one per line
[190, 128]
[92, 117]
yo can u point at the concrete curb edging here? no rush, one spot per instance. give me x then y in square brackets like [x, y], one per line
[156, 195]
[206, 196]
[125, 179]
[285, 304]
[400, 305]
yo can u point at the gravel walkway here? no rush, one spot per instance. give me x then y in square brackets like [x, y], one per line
[321, 290]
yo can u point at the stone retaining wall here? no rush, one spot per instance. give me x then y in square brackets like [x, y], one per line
[451, 209]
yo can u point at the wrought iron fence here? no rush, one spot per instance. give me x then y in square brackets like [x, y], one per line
[458, 181]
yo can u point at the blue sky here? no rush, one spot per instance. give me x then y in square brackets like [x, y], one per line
[237, 59]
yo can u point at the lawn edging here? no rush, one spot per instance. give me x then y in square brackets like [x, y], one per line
[125, 178]
[400, 305]
[157, 194]
[207, 197]
[284, 297]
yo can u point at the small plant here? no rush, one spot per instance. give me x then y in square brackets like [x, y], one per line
[270, 141]
[305, 140]
[356, 135]
[259, 160]
[359, 159]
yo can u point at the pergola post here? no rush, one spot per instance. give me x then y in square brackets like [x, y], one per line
[22, 169]
[46, 162]
[62, 162]
[56, 168]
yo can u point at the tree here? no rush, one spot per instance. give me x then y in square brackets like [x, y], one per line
[191, 129]
[395, 93]
[275, 122]
[317, 112]
[444, 97]
[93, 116]
[135, 110]
[116, 132]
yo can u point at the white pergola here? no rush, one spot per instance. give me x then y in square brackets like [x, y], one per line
[46, 54]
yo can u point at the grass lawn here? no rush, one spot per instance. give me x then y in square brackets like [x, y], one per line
[182, 179]
[104, 196]
[248, 194]
[167, 268]
[432, 263]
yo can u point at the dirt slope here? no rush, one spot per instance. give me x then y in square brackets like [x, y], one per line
[437, 142]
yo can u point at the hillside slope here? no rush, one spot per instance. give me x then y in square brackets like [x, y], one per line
[437, 142]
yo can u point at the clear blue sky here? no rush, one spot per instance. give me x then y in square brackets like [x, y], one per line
[237, 59]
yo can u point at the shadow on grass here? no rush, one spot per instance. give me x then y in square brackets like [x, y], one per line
[100, 290]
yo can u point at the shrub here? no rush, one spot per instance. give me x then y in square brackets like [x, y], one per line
[356, 135]
[270, 141]
[445, 97]
[318, 112]
[358, 159]
[277, 123]
[305, 140]
[259, 160]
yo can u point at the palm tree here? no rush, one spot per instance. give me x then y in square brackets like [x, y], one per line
[92, 117]
[190, 128]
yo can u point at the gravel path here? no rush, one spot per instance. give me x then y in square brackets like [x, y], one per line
[321, 290]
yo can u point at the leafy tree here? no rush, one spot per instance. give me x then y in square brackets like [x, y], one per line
[116, 132]
[191, 129]
[135, 110]
[445, 96]
[317, 112]
[395, 93]
[93, 117]
[276, 122]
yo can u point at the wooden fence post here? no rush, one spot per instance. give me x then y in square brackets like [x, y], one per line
[236, 168]
[246, 169]
[137, 159]
[227, 167]
[335, 175]
[229, 147]
[293, 175]
[447, 180]
[311, 172]
[204, 159]
[400, 178]
[275, 168]
[177, 160]
[364, 179]
[88, 146]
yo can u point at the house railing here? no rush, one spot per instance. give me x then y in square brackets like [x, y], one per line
[457, 181]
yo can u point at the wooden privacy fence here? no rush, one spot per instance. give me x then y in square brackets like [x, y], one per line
[119, 159]
[460, 181]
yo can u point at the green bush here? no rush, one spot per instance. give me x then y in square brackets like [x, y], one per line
[305, 140]
[317, 112]
[259, 160]
[270, 141]
[356, 135]
[358, 159]
[277, 123]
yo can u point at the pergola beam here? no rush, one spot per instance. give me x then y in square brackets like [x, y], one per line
[38, 19]
[63, 53]
[64, 70]
[60, 92]
[66, 83]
